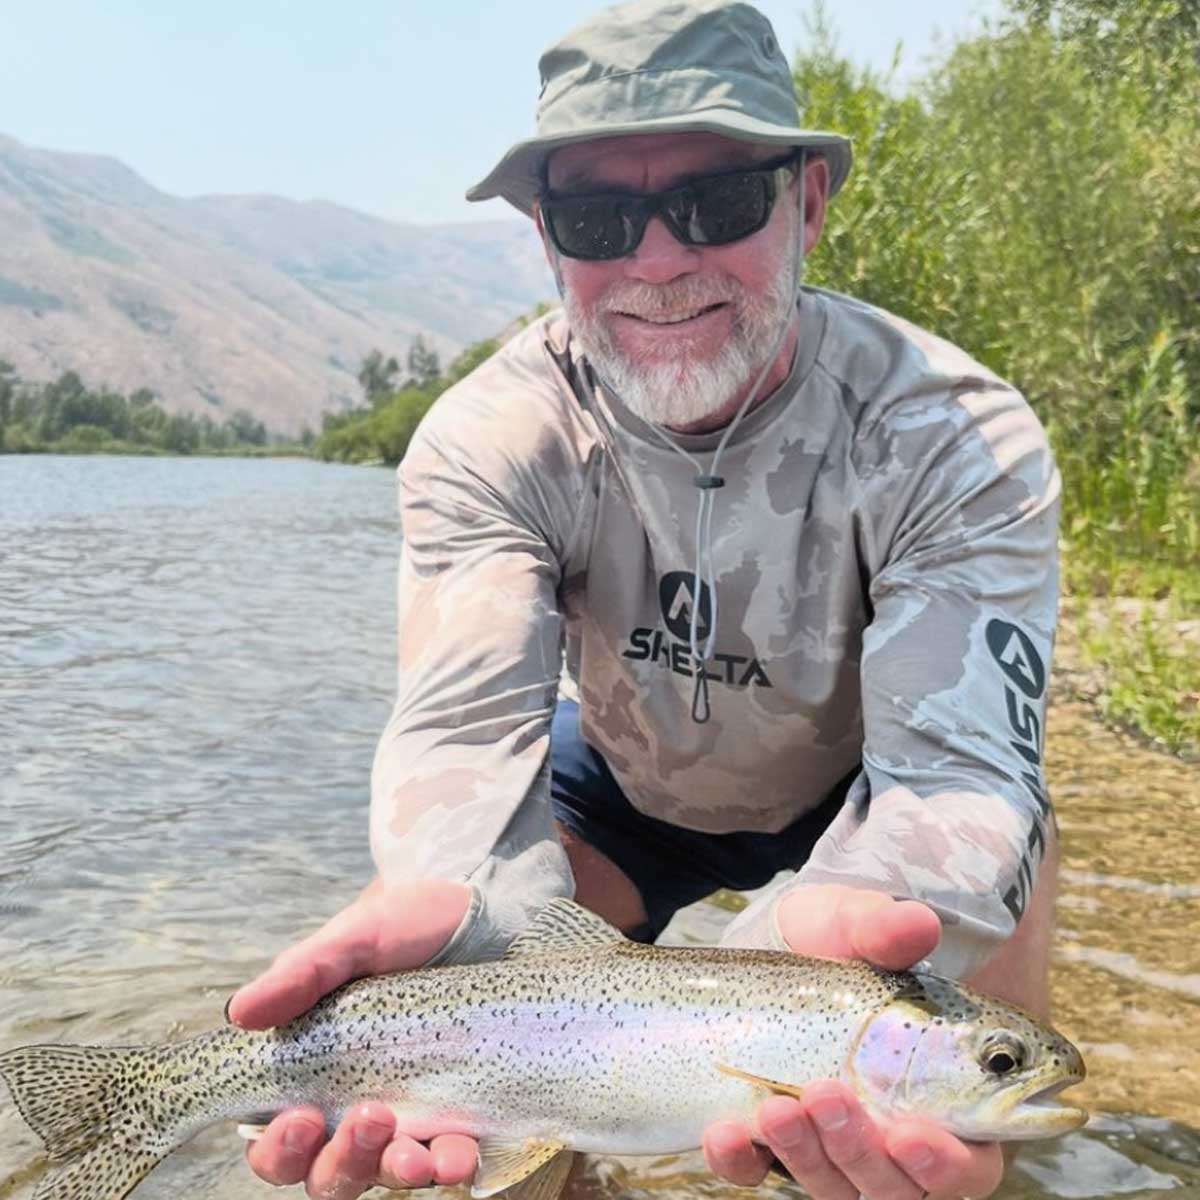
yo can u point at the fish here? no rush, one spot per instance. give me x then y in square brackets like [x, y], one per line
[577, 1041]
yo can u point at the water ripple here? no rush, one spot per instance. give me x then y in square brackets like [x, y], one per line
[196, 657]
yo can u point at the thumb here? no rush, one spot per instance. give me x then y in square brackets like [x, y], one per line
[386, 929]
[833, 921]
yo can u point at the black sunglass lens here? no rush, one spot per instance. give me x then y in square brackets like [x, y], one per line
[595, 227]
[713, 212]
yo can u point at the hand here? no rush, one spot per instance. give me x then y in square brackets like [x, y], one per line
[825, 1139]
[386, 929]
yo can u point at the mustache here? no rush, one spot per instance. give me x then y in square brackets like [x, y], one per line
[656, 301]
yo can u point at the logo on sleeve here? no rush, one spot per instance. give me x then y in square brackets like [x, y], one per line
[1025, 684]
[1018, 658]
[670, 648]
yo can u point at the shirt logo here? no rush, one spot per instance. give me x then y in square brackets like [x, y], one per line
[1018, 658]
[676, 598]
[671, 648]
[1025, 681]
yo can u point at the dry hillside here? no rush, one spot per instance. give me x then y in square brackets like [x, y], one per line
[226, 302]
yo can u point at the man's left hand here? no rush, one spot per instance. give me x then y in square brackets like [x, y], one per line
[825, 1139]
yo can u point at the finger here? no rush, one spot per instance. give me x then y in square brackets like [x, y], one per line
[895, 934]
[833, 921]
[455, 1157]
[943, 1165]
[733, 1156]
[854, 1144]
[349, 1163]
[285, 1152]
[405, 1164]
[366, 938]
[301, 975]
[786, 1129]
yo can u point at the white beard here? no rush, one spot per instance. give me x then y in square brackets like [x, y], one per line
[687, 391]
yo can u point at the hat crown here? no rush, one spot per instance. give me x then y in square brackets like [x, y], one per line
[667, 67]
[652, 60]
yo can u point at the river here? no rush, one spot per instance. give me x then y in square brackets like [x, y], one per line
[196, 656]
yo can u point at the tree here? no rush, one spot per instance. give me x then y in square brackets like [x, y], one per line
[424, 367]
[7, 389]
[182, 434]
[384, 431]
[470, 358]
[378, 377]
[246, 428]
[1154, 44]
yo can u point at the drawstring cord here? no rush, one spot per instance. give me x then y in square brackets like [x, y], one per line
[708, 483]
[704, 574]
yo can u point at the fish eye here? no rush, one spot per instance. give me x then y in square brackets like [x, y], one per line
[1003, 1055]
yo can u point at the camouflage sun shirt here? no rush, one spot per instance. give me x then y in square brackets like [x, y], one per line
[885, 557]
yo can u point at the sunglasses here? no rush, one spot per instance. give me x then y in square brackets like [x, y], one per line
[712, 210]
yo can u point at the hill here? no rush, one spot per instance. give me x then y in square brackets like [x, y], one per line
[220, 303]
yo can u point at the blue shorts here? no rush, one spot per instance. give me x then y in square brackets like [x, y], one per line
[670, 866]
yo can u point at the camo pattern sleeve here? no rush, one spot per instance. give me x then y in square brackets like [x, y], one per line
[958, 497]
[490, 500]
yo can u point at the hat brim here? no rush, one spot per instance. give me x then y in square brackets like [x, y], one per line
[519, 176]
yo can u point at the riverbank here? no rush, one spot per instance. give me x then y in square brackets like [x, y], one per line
[1126, 976]
[131, 450]
[1129, 647]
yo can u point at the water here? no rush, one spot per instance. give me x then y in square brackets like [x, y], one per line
[196, 656]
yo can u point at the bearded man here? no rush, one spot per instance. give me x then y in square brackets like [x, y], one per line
[706, 577]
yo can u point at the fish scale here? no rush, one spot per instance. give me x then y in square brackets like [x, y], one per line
[579, 1040]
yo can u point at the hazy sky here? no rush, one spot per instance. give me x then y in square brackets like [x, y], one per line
[390, 106]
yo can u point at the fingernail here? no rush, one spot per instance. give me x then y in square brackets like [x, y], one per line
[371, 1135]
[915, 1158]
[299, 1137]
[831, 1115]
[789, 1133]
[228, 1003]
[411, 1170]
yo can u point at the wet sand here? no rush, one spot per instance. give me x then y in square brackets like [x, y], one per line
[1126, 975]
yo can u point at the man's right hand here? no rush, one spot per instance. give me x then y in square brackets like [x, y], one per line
[388, 928]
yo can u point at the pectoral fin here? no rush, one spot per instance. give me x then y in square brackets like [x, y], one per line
[783, 1089]
[546, 1182]
[520, 1166]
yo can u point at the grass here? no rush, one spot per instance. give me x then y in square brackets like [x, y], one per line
[1131, 628]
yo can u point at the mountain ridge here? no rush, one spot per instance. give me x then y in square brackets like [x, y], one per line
[222, 302]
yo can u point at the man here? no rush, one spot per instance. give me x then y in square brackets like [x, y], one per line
[798, 559]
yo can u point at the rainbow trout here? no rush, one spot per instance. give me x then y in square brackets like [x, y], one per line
[577, 1040]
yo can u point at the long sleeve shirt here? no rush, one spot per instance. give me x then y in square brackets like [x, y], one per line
[885, 568]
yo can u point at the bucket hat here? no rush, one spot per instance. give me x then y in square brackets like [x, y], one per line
[661, 66]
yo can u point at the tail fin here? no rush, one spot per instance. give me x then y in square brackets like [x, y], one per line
[83, 1102]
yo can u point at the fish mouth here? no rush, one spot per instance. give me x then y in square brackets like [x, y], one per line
[1040, 1111]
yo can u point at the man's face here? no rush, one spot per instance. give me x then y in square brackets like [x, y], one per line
[680, 332]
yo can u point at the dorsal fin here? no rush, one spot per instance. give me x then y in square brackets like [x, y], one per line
[560, 926]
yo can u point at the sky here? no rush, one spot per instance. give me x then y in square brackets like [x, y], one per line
[394, 107]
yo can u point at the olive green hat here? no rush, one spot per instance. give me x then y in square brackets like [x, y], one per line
[662, 66]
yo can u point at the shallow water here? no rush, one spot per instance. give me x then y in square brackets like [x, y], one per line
[195, 660]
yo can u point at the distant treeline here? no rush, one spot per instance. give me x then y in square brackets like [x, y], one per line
[396, 399]
[68, 417]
